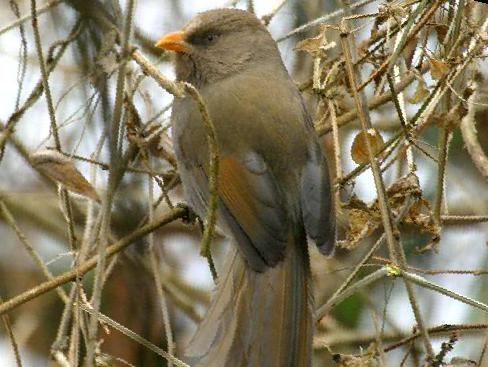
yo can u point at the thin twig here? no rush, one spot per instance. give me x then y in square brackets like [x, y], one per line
[88, 265]
[464, 219]
[41, 10]
[442, 329]
[395, 249]
[268, 17]
[373, 103]
[435, 287]
[136, 337]
[11, 337]
[113, 180]
[10, 220]
[53, 58]
[436, 271]
[150, 70]
[45, 76]
[324, 309]
[211, 215]
[360, 284]
[470, 136]
[337, 154]
[162, 301]
[322, 20]
[156, 272]
[406, 36]
[64, 196]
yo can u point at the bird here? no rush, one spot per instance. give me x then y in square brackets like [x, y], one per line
[273, 189]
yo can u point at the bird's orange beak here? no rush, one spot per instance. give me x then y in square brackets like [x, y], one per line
[174, 41]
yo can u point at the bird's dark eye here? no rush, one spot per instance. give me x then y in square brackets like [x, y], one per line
[202, 38]
[210, 37]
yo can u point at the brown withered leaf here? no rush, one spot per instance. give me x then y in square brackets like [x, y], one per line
[310, 45]
[399, 191]
[409, 51]
[420, 215]
[441, 30]
[358, 361]
[62, 170]
[403, 187]
[438, 68]
[367, 358]
[164, 148]
[364, 219]
[421, 92]
[359, 150]
[143, 138]
[451, 120]
[315, 45]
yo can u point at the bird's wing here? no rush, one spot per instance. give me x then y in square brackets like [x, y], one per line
[316, 201]
[250, 206]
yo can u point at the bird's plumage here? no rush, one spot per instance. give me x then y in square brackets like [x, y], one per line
[273, 189]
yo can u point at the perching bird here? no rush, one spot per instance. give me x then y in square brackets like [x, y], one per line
[273, 189]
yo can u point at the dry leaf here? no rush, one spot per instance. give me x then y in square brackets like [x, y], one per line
[409, 51]
[441, 30]
[420, 215]
[438, 68]
[408, 185]
[362, 220]
[62, 170]
[367, 358]
[451, 119]
[315, 45]
[359, 150]
[310, 45]
[421, 92]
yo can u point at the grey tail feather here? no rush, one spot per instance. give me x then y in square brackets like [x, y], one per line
[258, 319]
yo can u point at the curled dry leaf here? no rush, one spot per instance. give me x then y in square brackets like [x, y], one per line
[421, 92]
[315, 45]
[451, 120]
[420, 215]
[364, 219]
[441, 31]
[367, 358]
[62, 170]
[144, 138]
[438, 68]
[409, 51]
[359, 150]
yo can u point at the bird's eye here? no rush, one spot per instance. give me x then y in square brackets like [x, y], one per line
[202, 38]
[211, 37]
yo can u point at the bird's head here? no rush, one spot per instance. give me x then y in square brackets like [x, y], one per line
[219, 43]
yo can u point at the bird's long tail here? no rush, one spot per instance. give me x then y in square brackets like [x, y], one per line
[258, 319]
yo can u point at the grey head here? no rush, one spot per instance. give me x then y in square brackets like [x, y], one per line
[220, 43]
